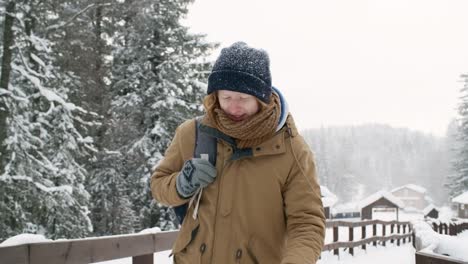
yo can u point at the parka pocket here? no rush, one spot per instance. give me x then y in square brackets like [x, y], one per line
[251, 251]
[259, 253]
[180, 251]
[187, 234]
[184, 239]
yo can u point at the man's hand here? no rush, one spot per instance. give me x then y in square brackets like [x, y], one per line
[196, 173]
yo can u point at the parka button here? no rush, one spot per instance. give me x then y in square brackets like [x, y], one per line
[239, 254]
[202, 247]
[277, 146]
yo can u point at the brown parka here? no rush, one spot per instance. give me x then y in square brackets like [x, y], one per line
[262, 208]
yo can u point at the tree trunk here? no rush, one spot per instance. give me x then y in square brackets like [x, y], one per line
[101, 101]
[5, 78]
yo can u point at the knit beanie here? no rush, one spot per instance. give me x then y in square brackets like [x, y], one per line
[243, 69]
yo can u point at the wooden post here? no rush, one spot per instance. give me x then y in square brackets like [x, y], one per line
[145, 259]
[404, 232]
[374, 233]
[383, 233]
[398, 231]
[392, 228]
[351, 238]
[335, 239]
[410, 230]
[363, 236]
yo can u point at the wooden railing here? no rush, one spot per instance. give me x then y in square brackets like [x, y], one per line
[427, 258]
[78, 251]
[451, 229]
[351, 243]
[141, 247]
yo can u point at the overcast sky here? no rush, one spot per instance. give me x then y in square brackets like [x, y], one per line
[342, 62]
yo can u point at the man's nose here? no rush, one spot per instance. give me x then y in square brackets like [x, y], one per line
[235, 107]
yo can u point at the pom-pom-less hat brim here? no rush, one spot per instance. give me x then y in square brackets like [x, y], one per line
[239, 81]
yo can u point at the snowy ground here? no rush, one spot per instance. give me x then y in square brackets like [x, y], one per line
[391, 254]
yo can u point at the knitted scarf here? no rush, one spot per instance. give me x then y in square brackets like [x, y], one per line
[249, 132]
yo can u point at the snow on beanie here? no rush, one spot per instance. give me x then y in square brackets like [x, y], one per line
[243, 69]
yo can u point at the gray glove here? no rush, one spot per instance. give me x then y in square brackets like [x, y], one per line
[196, 173]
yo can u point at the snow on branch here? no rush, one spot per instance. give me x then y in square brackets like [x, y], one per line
[63, 188]
[47, 93]
[66, 23]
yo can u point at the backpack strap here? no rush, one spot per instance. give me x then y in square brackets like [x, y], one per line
[205, 144]
[205, 148]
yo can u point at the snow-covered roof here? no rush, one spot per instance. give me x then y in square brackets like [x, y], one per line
[413, 187]
[428, 199]
[328, 198]
[380, 194]
[462, 198]
[429, 208]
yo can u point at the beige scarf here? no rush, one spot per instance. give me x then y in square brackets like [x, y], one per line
[250, 132]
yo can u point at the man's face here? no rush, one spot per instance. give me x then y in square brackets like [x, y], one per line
[238, 106]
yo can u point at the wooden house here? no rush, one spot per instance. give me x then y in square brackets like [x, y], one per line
[461, 203]
[380, 205]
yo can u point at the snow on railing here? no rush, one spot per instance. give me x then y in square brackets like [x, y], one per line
[436, 242]
[140, 246]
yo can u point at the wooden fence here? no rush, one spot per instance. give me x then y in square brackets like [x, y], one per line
[141, 247]
[449, 229]
[388, 228]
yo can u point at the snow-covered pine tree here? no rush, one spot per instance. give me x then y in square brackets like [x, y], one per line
[458, 181]
[41, 181]
[156, 83]
[83, 48]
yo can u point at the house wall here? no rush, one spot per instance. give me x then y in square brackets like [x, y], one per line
[411, 198]
[366, 212]
[463, 210]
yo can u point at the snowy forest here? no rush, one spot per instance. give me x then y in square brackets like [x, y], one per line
[92, 91]
[354, 162]
[90, 95]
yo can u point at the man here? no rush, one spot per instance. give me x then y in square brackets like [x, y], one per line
[261, 203]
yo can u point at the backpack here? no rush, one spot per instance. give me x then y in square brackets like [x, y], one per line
[205, 148]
